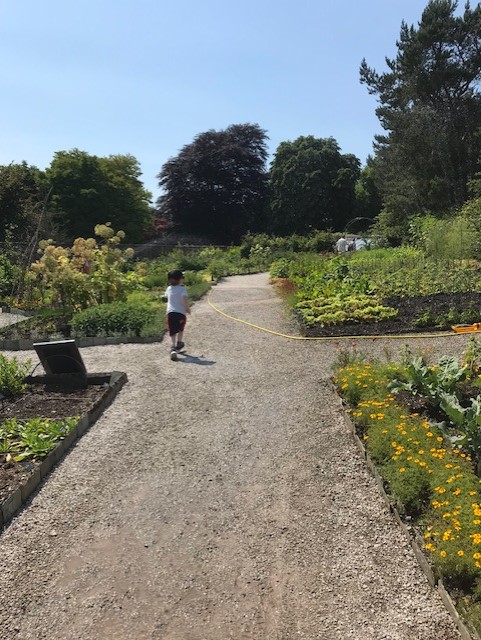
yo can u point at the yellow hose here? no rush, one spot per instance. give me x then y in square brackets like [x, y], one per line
[377, 337]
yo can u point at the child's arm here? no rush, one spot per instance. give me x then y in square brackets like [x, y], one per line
[185, 300]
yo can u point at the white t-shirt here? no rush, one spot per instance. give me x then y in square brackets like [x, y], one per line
[341, 245]
[175, 294]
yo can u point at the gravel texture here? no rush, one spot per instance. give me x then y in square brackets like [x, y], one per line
[7, 319]
[219, 497]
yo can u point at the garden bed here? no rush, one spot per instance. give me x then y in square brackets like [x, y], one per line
[412, 533]
[47, 397]
[409, 310]
[419, 426]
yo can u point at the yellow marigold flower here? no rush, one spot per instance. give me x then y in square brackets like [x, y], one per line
[448, 465]
[460, 552]
[402, 470]
[476, 522]
[439, 439]
[430, 547]
[457, 492]
[477, 564]
[429, 434]
[472, 493]
[443, 554]
[477, 556]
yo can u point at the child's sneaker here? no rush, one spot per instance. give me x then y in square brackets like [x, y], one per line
[180, 346]
[173, 355]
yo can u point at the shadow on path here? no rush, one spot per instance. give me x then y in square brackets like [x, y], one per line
[187, 358]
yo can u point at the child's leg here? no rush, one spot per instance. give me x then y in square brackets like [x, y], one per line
[173, 338]
[180, 335]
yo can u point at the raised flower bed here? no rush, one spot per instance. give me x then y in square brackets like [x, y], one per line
[40, 425]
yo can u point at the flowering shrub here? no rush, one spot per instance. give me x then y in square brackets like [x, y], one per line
[84, 275]
[428, 479]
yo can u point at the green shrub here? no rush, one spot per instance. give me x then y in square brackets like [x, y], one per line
[9, 274]
[12, 375]
[280, 268]
[118, 318]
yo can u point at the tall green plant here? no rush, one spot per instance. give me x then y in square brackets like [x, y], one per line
[12, 375]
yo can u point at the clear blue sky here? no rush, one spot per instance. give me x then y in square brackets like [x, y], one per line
[145, 76]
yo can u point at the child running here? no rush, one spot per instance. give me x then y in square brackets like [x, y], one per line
[177, 308]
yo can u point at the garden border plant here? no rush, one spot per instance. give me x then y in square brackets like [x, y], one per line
[415, 542]
[430, 483]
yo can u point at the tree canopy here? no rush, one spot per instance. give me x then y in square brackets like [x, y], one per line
[21, 197]
[217, 185]
[430, 107]
[312, 185]
[87, 189]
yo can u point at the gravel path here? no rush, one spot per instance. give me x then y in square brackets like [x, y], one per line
[220, 497]
[7, 319]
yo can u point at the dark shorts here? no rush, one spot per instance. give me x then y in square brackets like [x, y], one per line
[175, 322]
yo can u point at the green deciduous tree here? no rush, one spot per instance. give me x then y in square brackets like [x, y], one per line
[21, 200]
[430, 107]
[368, 198]
[217, 185]
[312, 185]
[87, 189]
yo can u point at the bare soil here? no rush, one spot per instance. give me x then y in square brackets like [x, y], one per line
[40, 402]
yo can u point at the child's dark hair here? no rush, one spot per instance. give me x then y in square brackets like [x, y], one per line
[175, 275]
